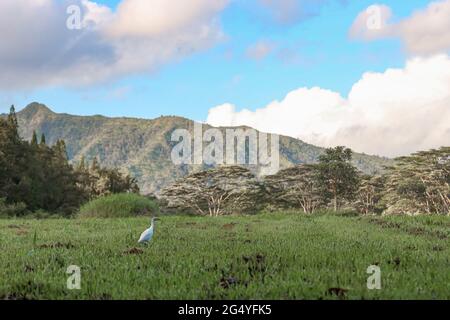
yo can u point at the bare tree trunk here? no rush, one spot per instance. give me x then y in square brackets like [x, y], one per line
[335, 203]
[335, 197]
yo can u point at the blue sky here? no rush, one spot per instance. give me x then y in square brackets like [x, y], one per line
[323, 53]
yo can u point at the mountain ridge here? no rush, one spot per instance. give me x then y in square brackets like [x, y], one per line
[142, 147]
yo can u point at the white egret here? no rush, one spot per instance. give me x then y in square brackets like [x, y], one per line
[147, 235]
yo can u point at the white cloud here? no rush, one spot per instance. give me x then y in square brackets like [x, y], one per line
[393, 113]
[426, 32]
[140, 36]
[154, 18]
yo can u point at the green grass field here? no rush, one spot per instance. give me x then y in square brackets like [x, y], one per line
[278, 256]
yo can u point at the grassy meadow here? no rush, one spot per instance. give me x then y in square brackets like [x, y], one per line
[269, 256]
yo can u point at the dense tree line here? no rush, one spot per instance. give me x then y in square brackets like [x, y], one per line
[418, 184]
[35, 176]
[233, 189]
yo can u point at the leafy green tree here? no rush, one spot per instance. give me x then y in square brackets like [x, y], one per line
[294, 187]
[337, 178]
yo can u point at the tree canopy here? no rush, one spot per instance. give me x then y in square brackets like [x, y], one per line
[216, 192]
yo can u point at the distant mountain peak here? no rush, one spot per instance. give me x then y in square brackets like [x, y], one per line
[34, 108]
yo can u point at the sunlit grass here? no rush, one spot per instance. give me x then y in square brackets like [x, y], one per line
[270, 256]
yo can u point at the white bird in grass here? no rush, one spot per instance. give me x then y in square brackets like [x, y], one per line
[147, 235]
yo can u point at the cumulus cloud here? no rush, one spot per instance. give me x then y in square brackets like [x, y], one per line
[144, 18]
[425, 32]
[140, 36]
[393, 113]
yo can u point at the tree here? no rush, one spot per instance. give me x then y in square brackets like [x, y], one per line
[369, 194]
[12, 155]
[419, 183]
[336, 176]
[216, 192]
[95, 166]
[98, 181]
[13, 124]
[82, 164]
[43, 142]
[295, 187]
[34, 141]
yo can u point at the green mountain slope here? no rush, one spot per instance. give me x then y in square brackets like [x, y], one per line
[143, 147]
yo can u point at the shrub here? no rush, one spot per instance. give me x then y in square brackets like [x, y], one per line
[12, 210]
[119, 206]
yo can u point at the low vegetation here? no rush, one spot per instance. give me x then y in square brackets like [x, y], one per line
[119, 206]
[267, 256]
